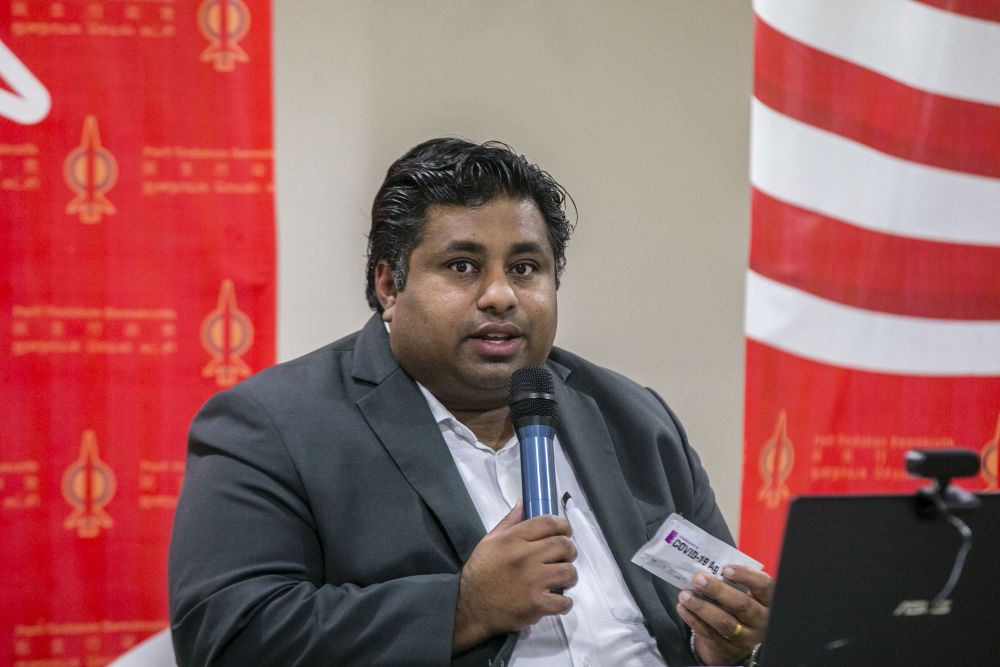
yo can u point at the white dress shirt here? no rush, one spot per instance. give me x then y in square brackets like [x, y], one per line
[605, 626]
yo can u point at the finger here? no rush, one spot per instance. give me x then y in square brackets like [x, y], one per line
[700, 627]
[736, 602]
[556, 549]
[555, 603]
[760, 583]
[733, 630]
[559, 576]
[543, 526]
[710, 645]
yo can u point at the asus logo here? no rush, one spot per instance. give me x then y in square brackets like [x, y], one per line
[923, 608]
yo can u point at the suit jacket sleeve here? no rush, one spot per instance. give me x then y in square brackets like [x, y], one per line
[247, 581]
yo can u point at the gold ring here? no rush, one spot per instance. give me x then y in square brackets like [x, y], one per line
[736, 633]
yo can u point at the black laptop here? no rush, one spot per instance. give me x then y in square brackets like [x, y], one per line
[859, 580]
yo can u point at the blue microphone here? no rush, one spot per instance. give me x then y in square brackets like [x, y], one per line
[534, 411]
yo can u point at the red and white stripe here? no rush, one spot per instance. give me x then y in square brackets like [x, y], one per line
[873, 290]
[876, 174]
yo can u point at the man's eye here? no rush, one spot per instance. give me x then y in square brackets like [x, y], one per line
[523, 268]
[461, 266]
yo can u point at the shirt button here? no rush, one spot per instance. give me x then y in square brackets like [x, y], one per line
[587, 662]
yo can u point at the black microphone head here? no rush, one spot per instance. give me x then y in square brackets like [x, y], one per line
[532, 394]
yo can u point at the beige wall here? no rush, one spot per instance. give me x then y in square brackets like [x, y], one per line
[639, 108]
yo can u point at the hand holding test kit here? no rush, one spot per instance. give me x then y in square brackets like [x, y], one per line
[680, 550]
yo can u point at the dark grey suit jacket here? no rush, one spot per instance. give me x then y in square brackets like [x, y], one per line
[323, 522]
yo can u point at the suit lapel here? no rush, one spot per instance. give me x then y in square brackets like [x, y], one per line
[397, 412]
[587, 443]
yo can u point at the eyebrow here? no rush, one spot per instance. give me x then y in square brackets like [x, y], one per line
[465, 246]
[525, 247]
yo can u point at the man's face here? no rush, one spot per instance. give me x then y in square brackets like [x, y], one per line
[479, 301]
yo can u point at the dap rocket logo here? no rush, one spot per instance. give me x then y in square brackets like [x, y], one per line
[88, 485]
[226, 334]
[224, 23]
[90, 171]
[775, 464]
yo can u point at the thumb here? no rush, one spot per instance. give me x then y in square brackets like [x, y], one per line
[514, 517]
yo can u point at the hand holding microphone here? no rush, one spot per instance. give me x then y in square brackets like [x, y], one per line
[510, 578]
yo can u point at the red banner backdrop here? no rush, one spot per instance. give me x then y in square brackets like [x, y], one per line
[873, 295]
[137, 241]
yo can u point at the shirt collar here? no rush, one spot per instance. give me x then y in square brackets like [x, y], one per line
[441, 414]
[447, 422]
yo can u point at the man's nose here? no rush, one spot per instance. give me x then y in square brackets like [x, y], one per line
[497, 293]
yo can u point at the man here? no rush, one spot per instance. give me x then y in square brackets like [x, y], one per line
[359, 505]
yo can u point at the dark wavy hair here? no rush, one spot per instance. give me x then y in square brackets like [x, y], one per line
[455, 172]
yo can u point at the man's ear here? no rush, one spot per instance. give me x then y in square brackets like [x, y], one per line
[385, 289]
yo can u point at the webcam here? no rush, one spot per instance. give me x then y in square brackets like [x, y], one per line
[940, 466]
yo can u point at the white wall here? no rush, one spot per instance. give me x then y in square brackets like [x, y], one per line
[640, 108]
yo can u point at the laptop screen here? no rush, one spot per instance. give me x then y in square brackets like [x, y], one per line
[858, 578]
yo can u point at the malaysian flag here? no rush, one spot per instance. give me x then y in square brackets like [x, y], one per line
[873, 290]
